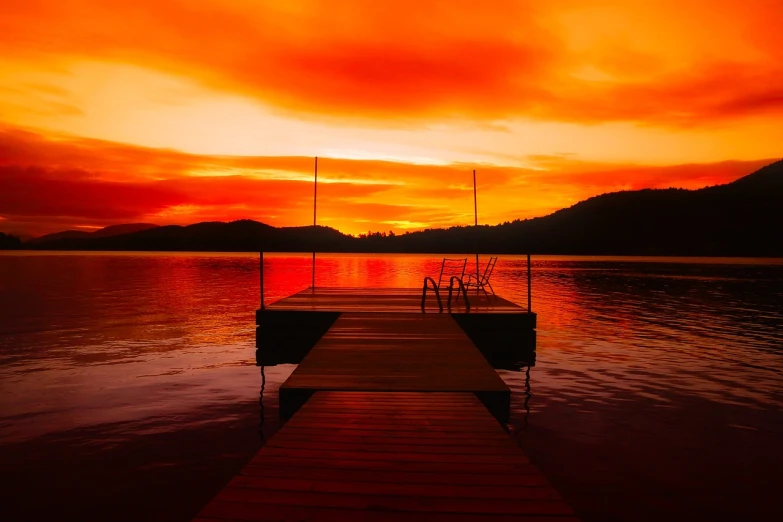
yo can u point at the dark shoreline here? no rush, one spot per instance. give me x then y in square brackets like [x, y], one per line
[577, 257]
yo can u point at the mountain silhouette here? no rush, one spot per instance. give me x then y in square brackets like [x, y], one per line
[742, 218]
[113, 230]
[236, 236]
[9, 242]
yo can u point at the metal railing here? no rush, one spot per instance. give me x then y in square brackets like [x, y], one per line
[424, 292]
[429, 284]
[460, 286]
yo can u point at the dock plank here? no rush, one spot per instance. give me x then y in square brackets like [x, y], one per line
[370, 352]
[390, 475]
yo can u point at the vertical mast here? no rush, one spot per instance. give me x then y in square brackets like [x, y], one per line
[315, 203]
[475, 216]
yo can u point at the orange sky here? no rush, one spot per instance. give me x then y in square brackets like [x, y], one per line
[178, 111]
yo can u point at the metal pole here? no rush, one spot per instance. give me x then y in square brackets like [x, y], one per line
[261, 273]
[529, 292]
[475, 216]
[315, 203]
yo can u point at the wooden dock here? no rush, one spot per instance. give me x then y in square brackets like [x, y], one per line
[395, 352]
[392, 415]
[389, 456]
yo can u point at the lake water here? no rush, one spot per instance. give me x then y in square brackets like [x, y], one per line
[129, 391]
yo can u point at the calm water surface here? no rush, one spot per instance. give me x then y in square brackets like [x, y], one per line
[128, 386]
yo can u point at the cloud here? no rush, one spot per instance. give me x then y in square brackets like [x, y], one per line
[34, 191]
[49, 183]
[661, 63]
[710, 92]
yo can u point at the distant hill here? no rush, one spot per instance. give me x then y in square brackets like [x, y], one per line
[113, 230]
[9, 242]
[237, 236]
[743, 218]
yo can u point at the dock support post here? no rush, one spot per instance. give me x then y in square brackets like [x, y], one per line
[261, 274]
[529, 288]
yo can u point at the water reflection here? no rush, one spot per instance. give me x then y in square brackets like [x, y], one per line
[646, 373]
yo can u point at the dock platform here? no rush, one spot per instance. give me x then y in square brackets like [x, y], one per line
[386, 457]
[289, 328]
[395, 352]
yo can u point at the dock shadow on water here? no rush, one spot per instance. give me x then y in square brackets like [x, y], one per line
[261, 407]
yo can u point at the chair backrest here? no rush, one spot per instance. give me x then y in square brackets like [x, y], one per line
[488, 270]
[452, 267]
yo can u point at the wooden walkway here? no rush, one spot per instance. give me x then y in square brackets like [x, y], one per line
[395, 352]
[387, 300]
[354, 456]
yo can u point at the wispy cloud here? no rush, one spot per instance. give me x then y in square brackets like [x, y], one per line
[50, 183]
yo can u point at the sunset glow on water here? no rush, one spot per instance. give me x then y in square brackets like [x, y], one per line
[664, 370]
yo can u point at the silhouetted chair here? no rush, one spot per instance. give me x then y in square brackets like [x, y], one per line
[481, 283]
[451, 270]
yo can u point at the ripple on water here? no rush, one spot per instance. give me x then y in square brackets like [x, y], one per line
[648, 372]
